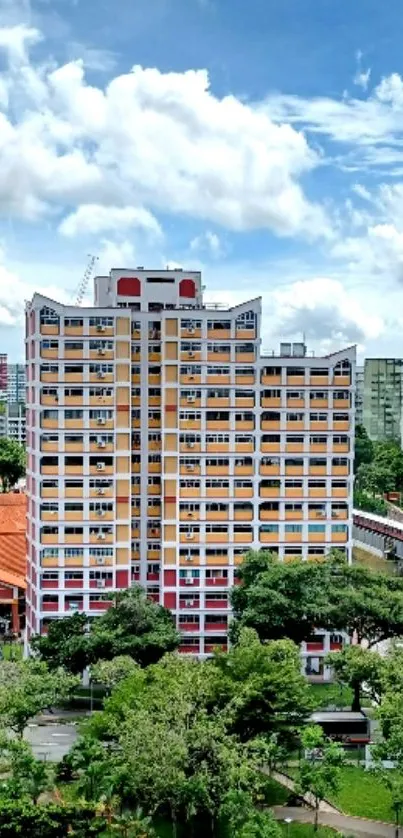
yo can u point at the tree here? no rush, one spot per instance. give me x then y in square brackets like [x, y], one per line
[363, 448]
[65, 644]
[23, 776]
[320, 769]
[293, 599]
[12, 463]
[261, 688]
[133, 626]
[375, 478]
[354, 666]
[110, 673]
[27, 688]
[18, 817]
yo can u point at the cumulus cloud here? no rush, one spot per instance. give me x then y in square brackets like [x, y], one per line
[95, 218]
[207, 242]
[362, 77]
[323, 310]
[163, 139]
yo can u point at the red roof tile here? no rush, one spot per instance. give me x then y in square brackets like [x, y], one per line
[13, 509]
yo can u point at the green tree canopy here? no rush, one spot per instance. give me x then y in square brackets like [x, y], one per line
[261, 688]
[354, 666]
[363, 448]
[12, 463]
[132, 626]
[293, 599]
[320, 768]
[27, 688]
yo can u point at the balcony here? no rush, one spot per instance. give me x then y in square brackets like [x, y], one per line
[73, 424]
[244, 514]
[218, 379]
[101, 354]
[341, 426]
[270, 469]
[244, 379]
[52, 447]
[295, 403]
[217, 537]
[49, 538]
[243, 537]
[295, 426]
[190, 492]
[217, 471]
[245, 334]
[217, 492]
[75, 492]
[97, 401]
[50, 424]
[216, 581]
[295, 380]
[49, 400]
[294, 471]
[317, 471]
[340, 448]
[244, 401]
[317, 492]
[100, 472]
[319, 403]
[244, 470]
[105, 331]
[52, 469]
[50, 492]
[339, 537]
[217, 447]
[49, 329]
[190, 356]
[293, 515]
[269, 514]
[74, 378]
[218, 424]
[341, 404]
[272, 380]
[74, 447]
[270, 447]
[219, 357]
[50, 354]
[50, 606]
[189, 424]
[341, 471]
[245, 357]
[244, 447]
[319, 380]
[318, 448]
[319, 425]
[293, 491]
[270, 425]
[294, 447]
[49, 377]
[268, 537]
[269, 491]
[218, 334]
[215, 626]
[243, 492]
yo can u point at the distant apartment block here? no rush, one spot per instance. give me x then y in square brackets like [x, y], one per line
[162, 446]
[12, 381]
[383, 394]
[359, 395]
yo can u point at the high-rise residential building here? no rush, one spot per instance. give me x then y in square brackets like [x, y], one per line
[383, 398]
[12, 381]
[359, 395]
[162, 446]
[13, 422]
[16, 383]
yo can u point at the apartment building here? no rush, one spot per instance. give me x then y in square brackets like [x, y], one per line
[162, 446]
[359, 395]
[12, 381]
[12, 421]
[383, 398]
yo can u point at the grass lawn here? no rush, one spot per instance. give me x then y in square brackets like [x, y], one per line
[362, 794]
[11, 651]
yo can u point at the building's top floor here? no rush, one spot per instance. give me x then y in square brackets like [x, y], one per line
[138, 288]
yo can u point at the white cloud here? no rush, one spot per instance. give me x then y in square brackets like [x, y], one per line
[16, 40]
[207, 242]
[95, 218]
[115, 255]
[362, 77]
[163, 138]
[323, 310]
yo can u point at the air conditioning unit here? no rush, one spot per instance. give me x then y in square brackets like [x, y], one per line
[100, 466]
[101, 421]
[191, 378]
[100, 583]
[189, 536]
[191, 330]
[190, 603]
[188, 558]
[190, 514]
[101, 513]
[101, 536]
[191, 399]
[101, 443]
[190, 468]
[188, 581]
[190, 444]
[101, 351]
[100, 374]
[100, 491]
[99, 560]
[191, 354]
[100, 327]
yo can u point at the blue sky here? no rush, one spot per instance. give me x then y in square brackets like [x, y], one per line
[260, 142]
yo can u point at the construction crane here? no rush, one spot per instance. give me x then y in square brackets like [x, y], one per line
[92, 260]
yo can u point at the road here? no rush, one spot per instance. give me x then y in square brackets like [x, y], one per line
[51, 742]
[346, 824]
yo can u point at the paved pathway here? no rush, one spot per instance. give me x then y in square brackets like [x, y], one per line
[344, 823]
[289, 783]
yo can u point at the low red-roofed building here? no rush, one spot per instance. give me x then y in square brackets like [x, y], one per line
[13, 509]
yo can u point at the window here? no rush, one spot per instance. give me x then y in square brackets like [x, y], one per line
[49, 317]
[269, 528]
[293, 528]
[320, 528]
[218, 371]
[295, 417]
[213, 573]
[339, 528]
[318, 417]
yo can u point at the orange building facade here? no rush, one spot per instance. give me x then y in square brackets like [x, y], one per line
[162, 446]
